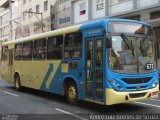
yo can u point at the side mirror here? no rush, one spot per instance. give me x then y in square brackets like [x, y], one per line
[108, 40]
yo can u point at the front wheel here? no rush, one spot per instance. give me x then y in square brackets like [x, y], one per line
[72, 94]
[18, 83]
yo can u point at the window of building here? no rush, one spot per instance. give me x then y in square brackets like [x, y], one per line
[82, 8]
[18, 51]
[73, 46]
[37, 9]
[27, 50]
[100, 4]
[54, 49]
[24, 1]
[45, 5]
[5, 31]
[121, 1]
[24, 14]
[4, 53]
[113, 2]
[136, 17]
[0, 20]
[30, 12]
[39, 52]
[5, 18]
[155, 15]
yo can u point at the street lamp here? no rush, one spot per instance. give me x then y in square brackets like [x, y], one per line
[40, 21]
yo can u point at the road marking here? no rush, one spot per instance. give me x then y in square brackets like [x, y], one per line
[147, 104]
[155, 99]
[77, 116]
[10, 93]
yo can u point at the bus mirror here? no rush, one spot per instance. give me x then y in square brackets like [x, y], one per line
[109, 40]
[158, 52]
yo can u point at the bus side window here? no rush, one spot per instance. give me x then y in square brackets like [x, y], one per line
[39, 52]
[27, 50]
[73, 46]
[18, 51]
[4, 53]
[54, 48]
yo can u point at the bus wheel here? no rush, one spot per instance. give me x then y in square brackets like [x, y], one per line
[71, 93]
[17, 83]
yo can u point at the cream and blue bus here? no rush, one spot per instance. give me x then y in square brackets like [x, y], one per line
[107, 61]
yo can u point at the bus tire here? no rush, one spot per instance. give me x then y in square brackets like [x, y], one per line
[71, 93]
[17, 82]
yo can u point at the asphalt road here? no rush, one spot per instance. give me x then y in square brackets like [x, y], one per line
[36, 105]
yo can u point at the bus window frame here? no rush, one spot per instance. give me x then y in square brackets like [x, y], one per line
[35, 49]
[62, 48]
[30, 59]
[15, 51]
[71, 46]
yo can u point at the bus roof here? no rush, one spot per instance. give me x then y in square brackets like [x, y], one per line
[84, 26]
[103, 22]
[45, 34]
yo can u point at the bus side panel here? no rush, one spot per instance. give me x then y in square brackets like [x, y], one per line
[17, 68]
[43, 72]
[56, 73]
[50, 82]
[4, 71]
[26, 76]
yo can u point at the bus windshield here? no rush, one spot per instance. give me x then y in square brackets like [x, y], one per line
[133, 48]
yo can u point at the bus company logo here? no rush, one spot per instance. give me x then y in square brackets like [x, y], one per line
[138, 87]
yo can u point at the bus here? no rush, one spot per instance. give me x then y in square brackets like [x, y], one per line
[107, 61]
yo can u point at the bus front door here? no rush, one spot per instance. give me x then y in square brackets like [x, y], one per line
[94, 69]
[10, 66]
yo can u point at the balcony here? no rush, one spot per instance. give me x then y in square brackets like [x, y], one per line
[121, 7]
[5, 3]
[146, 3]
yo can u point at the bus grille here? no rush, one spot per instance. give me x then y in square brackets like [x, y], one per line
[136, 80]
[137, 95]
[135, 88]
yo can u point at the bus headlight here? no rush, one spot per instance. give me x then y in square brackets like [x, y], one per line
[115, 85]
[155, 83]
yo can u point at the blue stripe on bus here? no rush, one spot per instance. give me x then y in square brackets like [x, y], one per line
[56, 82]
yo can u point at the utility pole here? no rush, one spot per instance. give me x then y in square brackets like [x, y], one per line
[10, 21]
[40, 21]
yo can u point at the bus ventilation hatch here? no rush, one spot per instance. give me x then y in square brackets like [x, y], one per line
[136, 80]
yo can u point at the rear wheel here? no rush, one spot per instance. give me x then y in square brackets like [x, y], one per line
[18, 83]
[71, 93]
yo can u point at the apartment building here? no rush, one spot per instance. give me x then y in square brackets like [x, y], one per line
[144, 10]
[9, 19]
[62, 13]
[4, 20]
[36, 16]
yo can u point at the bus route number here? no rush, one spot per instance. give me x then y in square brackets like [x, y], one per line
[150, 66]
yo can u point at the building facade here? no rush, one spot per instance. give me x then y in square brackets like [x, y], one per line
[143, 10]
[9, 19]
[35, 17]
[62, 13]
[30, 17]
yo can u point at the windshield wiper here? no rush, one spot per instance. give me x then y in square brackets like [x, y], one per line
[141, 48]
[128, 43]
[142, 45]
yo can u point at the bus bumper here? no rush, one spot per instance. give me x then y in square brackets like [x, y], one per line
[114, 97]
